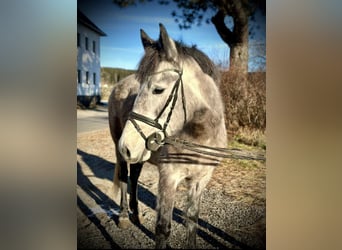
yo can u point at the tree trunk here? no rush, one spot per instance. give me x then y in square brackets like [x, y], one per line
[239, 58]
[236, 38]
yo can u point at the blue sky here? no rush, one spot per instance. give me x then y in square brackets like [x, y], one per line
[122, 46]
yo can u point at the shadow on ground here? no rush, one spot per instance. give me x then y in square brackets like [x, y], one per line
[104, 169]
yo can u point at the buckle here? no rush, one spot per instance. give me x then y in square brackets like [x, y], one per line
[155, 141]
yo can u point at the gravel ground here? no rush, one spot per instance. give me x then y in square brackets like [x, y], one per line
[229, 218]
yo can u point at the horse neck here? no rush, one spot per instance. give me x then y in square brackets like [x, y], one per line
[204, 106]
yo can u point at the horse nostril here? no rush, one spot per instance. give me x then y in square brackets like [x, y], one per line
[125, 152]
[128, 154]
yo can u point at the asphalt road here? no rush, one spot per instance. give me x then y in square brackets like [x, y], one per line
[91, 120]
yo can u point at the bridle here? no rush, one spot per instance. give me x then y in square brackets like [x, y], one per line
[156, 139]
[160, 138]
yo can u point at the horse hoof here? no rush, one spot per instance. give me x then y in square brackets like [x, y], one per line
[124, 223]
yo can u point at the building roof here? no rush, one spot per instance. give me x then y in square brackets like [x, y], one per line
[83, 19]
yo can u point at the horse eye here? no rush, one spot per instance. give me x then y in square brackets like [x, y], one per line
[157, 91]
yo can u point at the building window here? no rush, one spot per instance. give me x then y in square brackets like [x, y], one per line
[78, 40]
[94, 47]
[94, 78]
[79, 76]
[87, 76]
[86, 43]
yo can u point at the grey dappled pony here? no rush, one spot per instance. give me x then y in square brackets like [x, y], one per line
[174, 94]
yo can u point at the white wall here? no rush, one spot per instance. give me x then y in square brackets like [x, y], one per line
[89, 61]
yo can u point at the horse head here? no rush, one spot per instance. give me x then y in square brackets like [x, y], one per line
[170, 95]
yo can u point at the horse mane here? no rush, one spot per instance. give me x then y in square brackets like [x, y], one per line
[153, 56]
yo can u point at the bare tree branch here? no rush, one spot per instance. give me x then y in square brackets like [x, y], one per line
[225, 33]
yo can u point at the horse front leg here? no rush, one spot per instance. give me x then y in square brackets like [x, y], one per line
[135, 170]
[167, 190]
[192, 212]
[123, 177]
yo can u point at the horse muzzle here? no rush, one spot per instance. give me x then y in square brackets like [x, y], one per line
[132, 146]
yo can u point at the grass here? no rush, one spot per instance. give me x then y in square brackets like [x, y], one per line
[250, 138]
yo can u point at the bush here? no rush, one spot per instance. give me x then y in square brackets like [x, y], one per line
[87, 102]
[245, 100]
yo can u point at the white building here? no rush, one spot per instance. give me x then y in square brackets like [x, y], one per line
[88, 61]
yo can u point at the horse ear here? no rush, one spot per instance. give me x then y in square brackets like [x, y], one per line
[146, 40]
[167, 44]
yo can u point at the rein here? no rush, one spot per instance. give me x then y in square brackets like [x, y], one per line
[161, 138]
[232, 153]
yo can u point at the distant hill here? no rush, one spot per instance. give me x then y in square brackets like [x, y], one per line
[111, 76]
